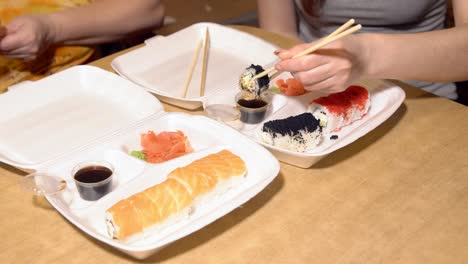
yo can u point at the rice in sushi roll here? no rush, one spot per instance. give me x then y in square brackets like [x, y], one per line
[298, 133]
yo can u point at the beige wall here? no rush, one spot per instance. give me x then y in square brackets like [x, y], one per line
[219, 11]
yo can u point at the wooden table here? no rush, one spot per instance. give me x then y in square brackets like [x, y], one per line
[397, 195]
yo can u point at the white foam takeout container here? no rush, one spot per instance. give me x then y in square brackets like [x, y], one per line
[85, 113]
[231, 51]
[162, 64]
[385, 99]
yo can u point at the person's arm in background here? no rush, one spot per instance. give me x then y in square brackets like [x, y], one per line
[437, 56]
[99, 22]
[278, 16]
[107, 20]
[460, 12]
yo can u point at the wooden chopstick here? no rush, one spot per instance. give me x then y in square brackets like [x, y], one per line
[334, 33]
[337, 34]
[192, 67]
[205, 61]
[341, 28]
[328, 40]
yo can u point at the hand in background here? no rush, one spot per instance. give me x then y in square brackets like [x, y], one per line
[330, 69]
[27, 37]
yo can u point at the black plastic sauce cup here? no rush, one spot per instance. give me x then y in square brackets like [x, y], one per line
[93, 179]
[252, 110]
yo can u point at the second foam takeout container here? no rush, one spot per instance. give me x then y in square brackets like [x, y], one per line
[231, 51]
[85, 113]
[165, 73]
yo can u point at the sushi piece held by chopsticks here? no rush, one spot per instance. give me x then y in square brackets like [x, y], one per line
[341, 32]
[252, 90]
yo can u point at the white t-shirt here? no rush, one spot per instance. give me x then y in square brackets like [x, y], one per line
[383, 16]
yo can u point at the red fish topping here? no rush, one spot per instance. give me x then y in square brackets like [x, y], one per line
[291, 87]
[164, 146]
[340, 103]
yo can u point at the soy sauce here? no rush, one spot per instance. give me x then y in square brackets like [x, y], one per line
[255, 103]
[252, 111]
[93, 182]
[93, 174]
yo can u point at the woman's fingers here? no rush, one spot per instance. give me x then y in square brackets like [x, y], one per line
[13, 47]
[302, 63]
[327, 86]
[313, 76]
[330, 69]
[24, 55]
[25, 39]
[11, 42]
[322, 87]
[327, 83]
[289, 53]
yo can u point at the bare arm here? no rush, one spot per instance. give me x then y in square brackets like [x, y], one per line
[460, 11]
[278, 16]
[438, 56]
[106, 20]
[27, 36]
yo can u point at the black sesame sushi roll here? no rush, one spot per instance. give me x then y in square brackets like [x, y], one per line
[298, 133]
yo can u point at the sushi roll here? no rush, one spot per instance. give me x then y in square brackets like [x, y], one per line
[341, 109]
[185, 189]
[252, 89]
[298, 133]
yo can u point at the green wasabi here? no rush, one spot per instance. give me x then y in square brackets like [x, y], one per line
[275, 89]
[138, 154]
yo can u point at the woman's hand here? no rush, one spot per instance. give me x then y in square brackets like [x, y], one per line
[27, 37]
[330, 69]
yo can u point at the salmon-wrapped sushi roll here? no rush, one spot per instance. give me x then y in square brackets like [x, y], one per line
[175, 198]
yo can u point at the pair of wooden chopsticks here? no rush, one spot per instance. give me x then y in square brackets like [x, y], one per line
[342, 31]
[194, 62]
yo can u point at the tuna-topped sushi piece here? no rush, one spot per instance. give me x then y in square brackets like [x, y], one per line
[341, 109]
[253, 88]
[298, 133]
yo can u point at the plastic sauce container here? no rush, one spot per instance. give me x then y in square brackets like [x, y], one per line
[252, 111]
[93, 179]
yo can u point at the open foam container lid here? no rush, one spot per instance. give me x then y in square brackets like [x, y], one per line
[230, 52]
[44, 120]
